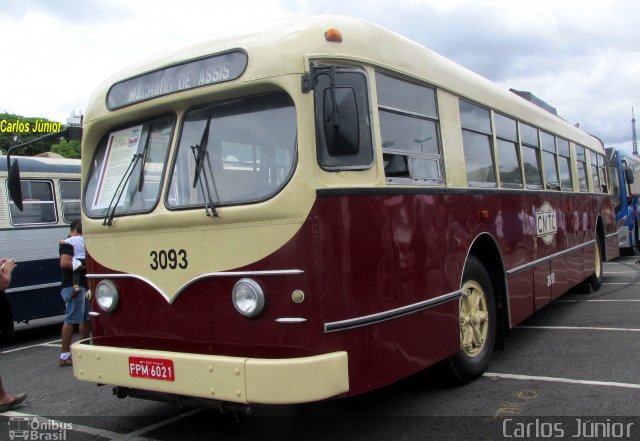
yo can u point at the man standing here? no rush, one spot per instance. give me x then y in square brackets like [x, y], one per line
[77, 306]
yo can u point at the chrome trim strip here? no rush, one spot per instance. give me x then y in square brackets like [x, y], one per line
[293, 272]
[31, 287]
[366, 320]
[526, 266]
[94, 314]
[291, 320]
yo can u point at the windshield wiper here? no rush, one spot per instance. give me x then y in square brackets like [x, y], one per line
[145, 149]
[200, 153]
[111, 209]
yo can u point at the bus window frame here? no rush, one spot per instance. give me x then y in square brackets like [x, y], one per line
[162, 177]
[62, 200]
[514, 141]
[408, 156]
[365, 146]
[525, 144]
[169, 171]
[581, 152]
[53, 202]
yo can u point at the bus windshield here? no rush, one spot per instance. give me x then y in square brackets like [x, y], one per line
[127, 168]
[234, 152]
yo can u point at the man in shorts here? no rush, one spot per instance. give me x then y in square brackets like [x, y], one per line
[77, 305]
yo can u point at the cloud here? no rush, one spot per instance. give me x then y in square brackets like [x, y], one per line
[578, 55]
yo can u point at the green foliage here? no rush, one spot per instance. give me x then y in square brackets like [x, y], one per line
[16, 129]
[68, 149]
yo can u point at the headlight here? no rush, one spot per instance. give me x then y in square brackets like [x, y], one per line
[107, 295]
[248, 297]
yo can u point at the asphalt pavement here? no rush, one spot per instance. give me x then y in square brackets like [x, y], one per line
[571, 371]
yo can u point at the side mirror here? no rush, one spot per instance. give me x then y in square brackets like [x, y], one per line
[342, 134]
[629, 176]
[15, 189]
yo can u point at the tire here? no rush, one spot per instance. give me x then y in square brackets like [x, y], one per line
[477, 315]
[595, 280]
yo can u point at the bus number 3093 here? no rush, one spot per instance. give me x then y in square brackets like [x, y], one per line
[171, 259]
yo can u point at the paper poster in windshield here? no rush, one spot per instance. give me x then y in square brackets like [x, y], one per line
[121, 147]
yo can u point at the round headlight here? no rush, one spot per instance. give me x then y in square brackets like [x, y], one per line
[248, 297]
[107, 295]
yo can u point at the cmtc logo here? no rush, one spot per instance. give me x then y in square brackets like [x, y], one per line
[546, 226]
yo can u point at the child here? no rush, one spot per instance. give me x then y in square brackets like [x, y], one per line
[77, 242]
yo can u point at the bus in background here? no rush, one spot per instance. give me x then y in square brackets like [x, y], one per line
[51, 200]
[623, 168]
[297, 214]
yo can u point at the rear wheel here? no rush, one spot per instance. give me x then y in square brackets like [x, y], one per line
[596, 278]
[477, 315]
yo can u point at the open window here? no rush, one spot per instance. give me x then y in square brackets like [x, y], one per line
[409, 129]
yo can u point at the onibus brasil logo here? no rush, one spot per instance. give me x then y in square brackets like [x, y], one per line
[546, 226]
[33, 428]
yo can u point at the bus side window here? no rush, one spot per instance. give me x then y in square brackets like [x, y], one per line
[70, 200]
[343, 125]
[38, 204]
[564, 158]
[477, 143]
[409, 129]
[581, 158]
[530, 156]
[508, 153]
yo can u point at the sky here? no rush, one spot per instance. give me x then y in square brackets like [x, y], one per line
[580, 56]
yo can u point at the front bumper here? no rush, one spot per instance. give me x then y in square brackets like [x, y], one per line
[232, 379]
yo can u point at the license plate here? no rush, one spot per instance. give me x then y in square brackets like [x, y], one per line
[153, 368]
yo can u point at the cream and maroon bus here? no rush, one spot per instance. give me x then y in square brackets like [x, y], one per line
[319, 208]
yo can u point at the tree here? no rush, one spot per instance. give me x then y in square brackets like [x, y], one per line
[16, 129]
[68, 149]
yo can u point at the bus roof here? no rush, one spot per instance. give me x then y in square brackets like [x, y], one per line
[31, 164]
[282, 47]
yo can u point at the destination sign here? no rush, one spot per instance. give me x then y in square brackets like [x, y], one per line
[190, 75]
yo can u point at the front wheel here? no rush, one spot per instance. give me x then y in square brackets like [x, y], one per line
[477, 315]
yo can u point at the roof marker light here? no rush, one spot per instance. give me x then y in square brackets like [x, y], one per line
[333, 35]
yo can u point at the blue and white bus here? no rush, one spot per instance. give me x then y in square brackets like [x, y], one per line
[51, 200]
[623, 167]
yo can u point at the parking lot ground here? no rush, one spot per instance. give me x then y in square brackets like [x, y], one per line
[573, 366]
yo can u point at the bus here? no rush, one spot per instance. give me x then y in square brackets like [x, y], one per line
[320, 208]
[50, 201]
[623, 168]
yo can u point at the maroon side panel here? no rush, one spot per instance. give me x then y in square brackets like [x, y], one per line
[364, 254]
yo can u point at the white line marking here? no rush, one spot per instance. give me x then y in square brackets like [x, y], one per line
[75, 427]
[579, 328]
[32, 346]
[562, 380]
[620, 283]
[619, 272]
[52, 345]
[597, 300]
[163, 423]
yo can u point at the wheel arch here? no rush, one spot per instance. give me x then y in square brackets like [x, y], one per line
[485, 248]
